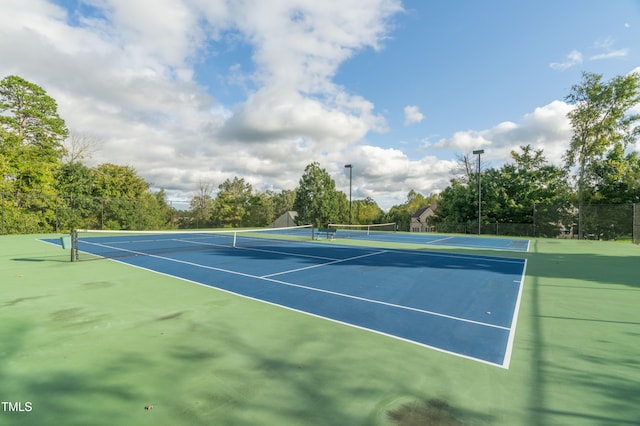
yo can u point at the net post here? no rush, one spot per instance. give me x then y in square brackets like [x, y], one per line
[74, 245]
[235, 234]
[312, 232]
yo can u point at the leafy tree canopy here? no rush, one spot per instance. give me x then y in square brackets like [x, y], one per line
[232, 202]
[601, 120]
[30, 113]
[317, 200]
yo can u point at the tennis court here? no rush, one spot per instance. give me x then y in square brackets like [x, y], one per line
[464, 305]
[95, 342]
[386, 233]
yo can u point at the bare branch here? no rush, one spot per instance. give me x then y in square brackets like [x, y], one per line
[79, 147]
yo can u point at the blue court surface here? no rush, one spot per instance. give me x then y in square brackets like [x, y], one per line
[429, 238]
[464, 305]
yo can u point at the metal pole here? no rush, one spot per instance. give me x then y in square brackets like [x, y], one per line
[74, 245]
[479, 152]
[350, 167]
[350, 201]
[57, 215]
[479, 198]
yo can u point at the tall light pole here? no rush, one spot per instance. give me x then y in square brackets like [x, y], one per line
[479, 152]
[350, 167]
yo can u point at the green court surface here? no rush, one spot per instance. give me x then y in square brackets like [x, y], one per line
[94, 343]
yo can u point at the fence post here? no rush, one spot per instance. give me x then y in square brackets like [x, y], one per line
[2, 197]
[635, 226]
[57, 215]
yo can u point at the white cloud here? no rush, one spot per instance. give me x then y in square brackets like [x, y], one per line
[604, 45]
[573, 58]
[619, 53]
[273, 113]
[546, 128]
[126, 75]
[412, 115]
[388, 174]
[298, 48]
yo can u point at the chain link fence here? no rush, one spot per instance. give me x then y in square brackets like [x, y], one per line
[495, 228]
[41, 213]
[564, 220]
[38, 213]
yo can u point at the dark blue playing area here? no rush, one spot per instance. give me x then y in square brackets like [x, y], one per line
[430, 238]
[464, 305]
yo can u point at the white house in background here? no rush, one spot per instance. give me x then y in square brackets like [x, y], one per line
[286, 219]
[421, 220]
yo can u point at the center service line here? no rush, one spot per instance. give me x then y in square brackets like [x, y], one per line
[324, 264]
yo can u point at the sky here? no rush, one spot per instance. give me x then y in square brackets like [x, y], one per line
[194, 92]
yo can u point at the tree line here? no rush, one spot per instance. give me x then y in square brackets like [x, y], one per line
[45, 185]
[316, 201]
[597, 170]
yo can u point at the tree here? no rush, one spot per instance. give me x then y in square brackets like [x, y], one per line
[465, 169]
[600, 121]
[366, 212]
[77, 206]
[155, 211]
[617, 178]
[510, 193]
[78, 147]
[125, 197]
[317, 200]
[232, 203]
[10, 160]
[202, 205]
[116, 181]
[458, 205]
[344, 209]
[282, 201]
[261, 210]
[31, 133]
[401, 214]
[33, 116]
[522, 184]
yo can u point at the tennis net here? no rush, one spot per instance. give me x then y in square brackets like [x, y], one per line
[360, 231]
[100, 244]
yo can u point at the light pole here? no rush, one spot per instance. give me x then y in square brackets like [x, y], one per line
[350, 167]
[479, 152]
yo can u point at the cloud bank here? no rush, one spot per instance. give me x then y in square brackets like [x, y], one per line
[132, 75]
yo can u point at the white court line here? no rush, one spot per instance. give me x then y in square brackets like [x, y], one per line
[260, 250]
[334, 293]
[438, 240]
[488, 258]
[348, 324]
[410, 240]
[514, 320]
[323, 264]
